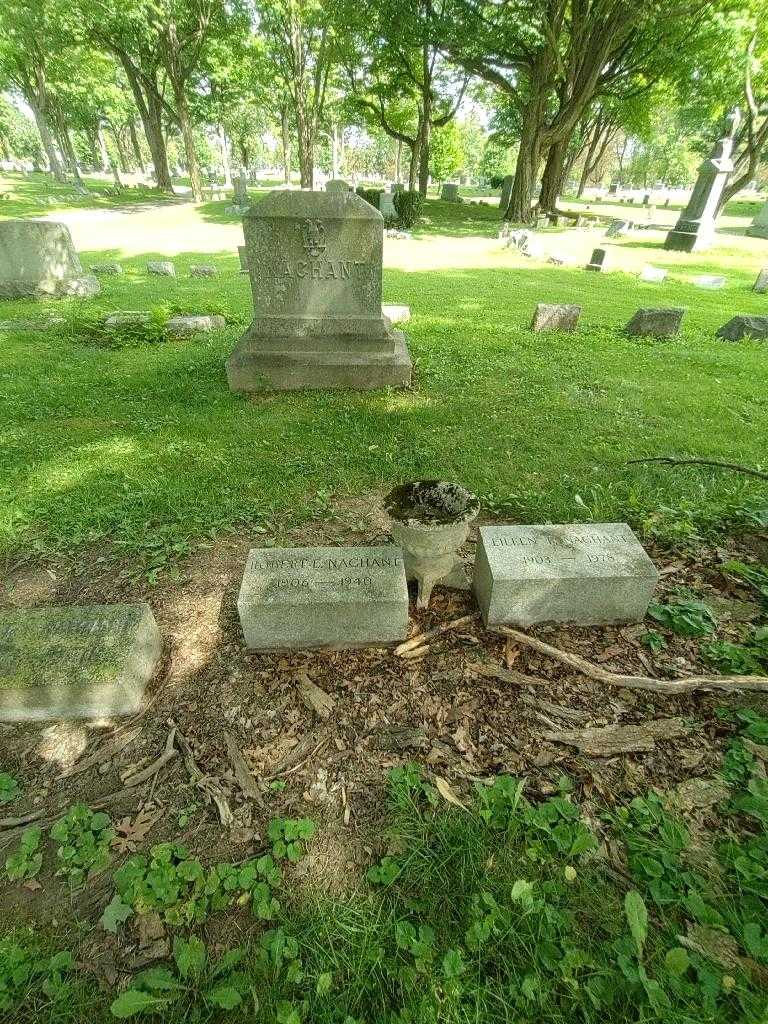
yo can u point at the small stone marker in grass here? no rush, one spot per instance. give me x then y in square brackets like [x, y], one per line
[656, 323]
[597, 260]
[761, 284]
[617, 228]
[128, 318]
[163, 268]
[300, 598]
[711, 281]
[32, 325]
[178, 326]
[759, 226]
[397, 314]
[77, 662]
[449, 192]
[555, 317]
[744, 326]
[582, 573]
[202, 270]
[106, 269]
[653, 275]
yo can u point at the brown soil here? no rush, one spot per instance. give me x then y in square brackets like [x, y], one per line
[439, 710]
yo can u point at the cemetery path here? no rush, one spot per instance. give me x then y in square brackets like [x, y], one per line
[167, 228]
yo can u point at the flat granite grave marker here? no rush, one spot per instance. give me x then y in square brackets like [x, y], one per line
[163, 268]
[555, 317]
[711, 281]
[583, 573]
[301, 598]
[656, 323]
[745, 326]
[653, 275]
[76, 662]
[315, 265]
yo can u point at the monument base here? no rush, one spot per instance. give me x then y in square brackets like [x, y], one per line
[252, 367]
[689, 241]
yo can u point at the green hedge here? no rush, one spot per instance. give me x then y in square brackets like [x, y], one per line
[408, 206]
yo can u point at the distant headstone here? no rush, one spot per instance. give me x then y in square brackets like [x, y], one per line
[300, 598]
[32, 325]
[38, 260]
[613, 188]
[656, 323]
[449, 191]
[163, 268]
[396, 186]
[653, 275]
[78, 662]
[337, 185]
[506, 191]
[617, 228]
[242, 252]
[387, 206]
[597, 260]
[745, 326]
[315, 264]
[695, 228]
[202, 270]
[554, 317]
[759, 226]
[106, 269]
[397, 314]
[582, 573]
[179, 326]
[711, 281]
[761, 284]
[240, 186]
[647, 199]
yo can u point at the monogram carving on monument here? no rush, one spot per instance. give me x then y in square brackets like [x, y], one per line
[313, 234]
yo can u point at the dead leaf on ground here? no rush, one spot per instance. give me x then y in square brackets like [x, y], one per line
[131, 833]
[444, 789]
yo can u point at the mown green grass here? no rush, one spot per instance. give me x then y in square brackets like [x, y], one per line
[144, 440]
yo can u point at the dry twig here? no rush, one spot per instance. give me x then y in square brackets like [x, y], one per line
[210, 789]
[245, 779]
[430, 634]
[667, 460]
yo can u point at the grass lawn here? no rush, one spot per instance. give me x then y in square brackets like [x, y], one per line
[120, 443]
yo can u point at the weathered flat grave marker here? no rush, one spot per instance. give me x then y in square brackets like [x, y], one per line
[653, 275]
[581, 573]
[299, 598]
[745, 326]
[555, 317]
[656, 323]
[163, 268]
[76, 662]
[711, 281]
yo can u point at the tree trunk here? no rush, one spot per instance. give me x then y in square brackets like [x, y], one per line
[426, 120]
[335, 151]
[135, 146]
[554, 174]
[413, 168]
[286, 144]
[46, 137]
[397, 160]
[225, 157]
[528, 157]
[150, 108]
[102, 148]
[305, 140]
[182, 109]
[122, 156]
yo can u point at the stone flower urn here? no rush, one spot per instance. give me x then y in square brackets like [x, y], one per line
[430, 520]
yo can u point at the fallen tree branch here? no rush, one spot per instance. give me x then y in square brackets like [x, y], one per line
[245, 779]
[421, 638]
[667, 460]
[211, 790]
[670, 687]
[146, 773]
[620, 739]
[25, 819]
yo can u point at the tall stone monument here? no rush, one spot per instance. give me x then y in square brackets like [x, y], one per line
[759, 226]
[695, 230]
[314, 261]
[38, 260]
